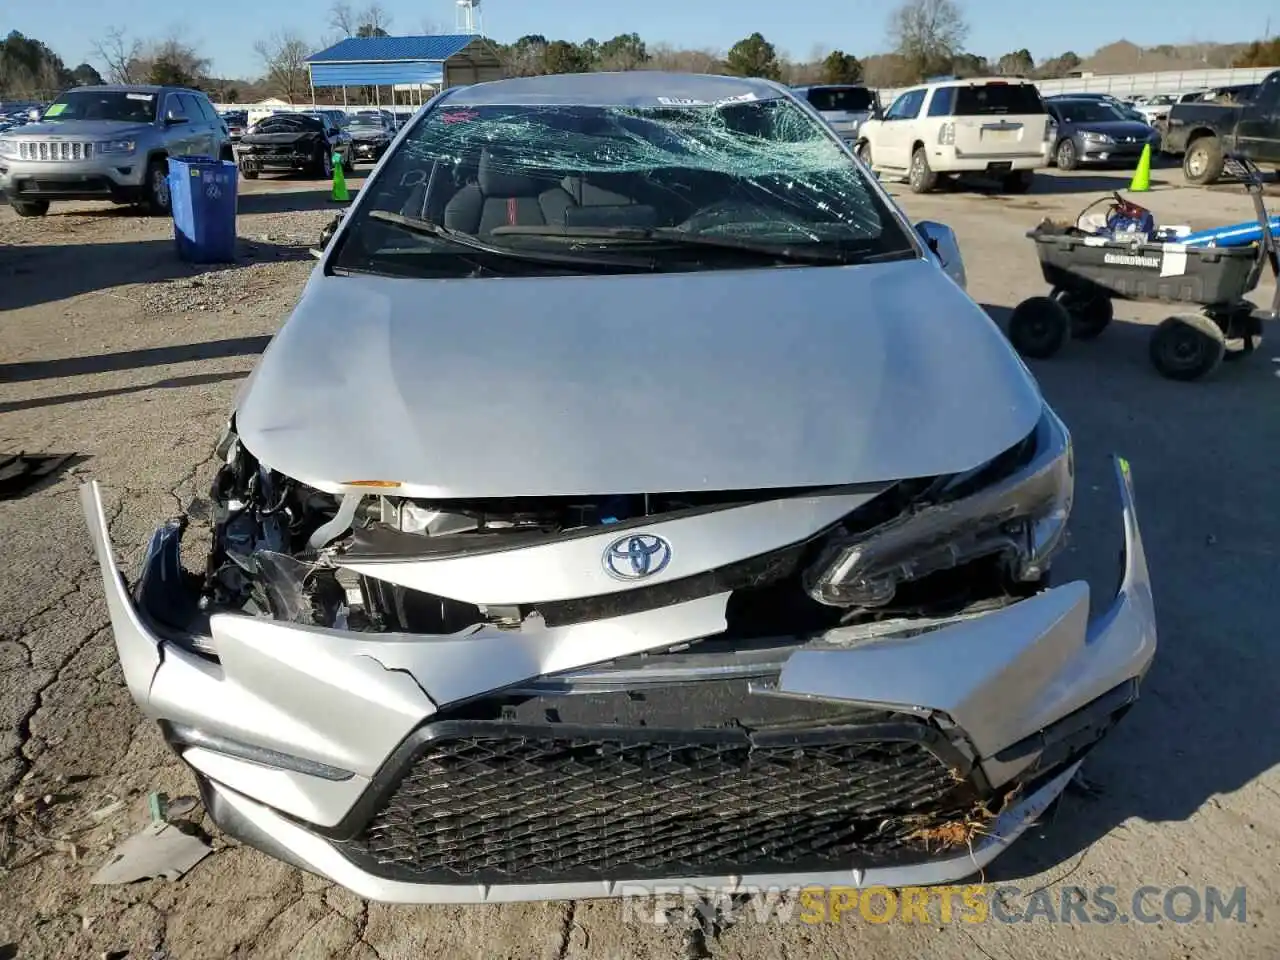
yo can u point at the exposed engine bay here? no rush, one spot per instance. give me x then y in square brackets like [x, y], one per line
[924, 548]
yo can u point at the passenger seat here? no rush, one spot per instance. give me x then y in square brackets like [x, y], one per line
[502, 196]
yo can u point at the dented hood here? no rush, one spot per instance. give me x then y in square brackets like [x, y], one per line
[719, 380]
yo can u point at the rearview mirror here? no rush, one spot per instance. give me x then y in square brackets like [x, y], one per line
[941, 241]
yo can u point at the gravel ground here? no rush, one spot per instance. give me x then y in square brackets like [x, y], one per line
[115, 352]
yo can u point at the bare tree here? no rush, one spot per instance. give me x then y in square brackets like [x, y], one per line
[374, 21]
[175, 60]
[121, 55]
[928, 34]
[343, 19]
[284, 56]
[432, 28]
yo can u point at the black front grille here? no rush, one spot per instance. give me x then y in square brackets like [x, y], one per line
[494, 802]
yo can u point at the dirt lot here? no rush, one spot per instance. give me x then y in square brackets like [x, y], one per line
[115, 352]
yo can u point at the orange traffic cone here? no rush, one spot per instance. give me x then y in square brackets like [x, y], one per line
[1141, 182]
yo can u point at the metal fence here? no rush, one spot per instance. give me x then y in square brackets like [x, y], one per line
[1129, 84]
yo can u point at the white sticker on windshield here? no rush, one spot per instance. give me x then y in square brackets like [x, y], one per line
[140, 96]
[681, 102]
[740, 98]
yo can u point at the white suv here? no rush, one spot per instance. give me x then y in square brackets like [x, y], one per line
[996, 127]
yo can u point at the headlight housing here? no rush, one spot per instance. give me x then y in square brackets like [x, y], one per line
[1020, 517]
[1096, 137]
[8, 148]
[117, 146]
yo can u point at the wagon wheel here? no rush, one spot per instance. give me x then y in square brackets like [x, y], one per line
[1187, 346]
[1091, 313]
[1038, 327]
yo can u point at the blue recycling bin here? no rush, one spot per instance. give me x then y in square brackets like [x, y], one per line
[202, 194]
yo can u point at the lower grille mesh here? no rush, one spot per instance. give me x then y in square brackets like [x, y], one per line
[491, 803]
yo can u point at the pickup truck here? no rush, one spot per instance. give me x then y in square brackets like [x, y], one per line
[1206, 133]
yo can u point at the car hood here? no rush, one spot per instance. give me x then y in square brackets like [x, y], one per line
[84, 129]
[717, 380]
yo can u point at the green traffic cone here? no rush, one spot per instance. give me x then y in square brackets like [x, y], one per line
[340, 194]
[1141, 182]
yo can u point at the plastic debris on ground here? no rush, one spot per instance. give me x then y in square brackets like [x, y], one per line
[160, 849]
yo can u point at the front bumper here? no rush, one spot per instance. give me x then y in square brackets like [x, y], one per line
[320, 746]
[118, 178]
[275, 160]
[1091, 151]
[369, 150]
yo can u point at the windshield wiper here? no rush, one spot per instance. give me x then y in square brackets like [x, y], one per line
[428, 228]
[778, 251]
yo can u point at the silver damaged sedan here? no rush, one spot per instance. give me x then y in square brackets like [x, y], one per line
[634, 498]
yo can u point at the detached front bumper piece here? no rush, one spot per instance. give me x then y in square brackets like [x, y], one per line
[563, 762]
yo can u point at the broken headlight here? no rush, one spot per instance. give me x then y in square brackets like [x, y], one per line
[1020, 516]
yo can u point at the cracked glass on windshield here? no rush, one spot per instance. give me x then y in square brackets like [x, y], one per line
[675, 186]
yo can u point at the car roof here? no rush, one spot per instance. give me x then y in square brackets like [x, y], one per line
[131, 88]
[976, 82]
[631, 89]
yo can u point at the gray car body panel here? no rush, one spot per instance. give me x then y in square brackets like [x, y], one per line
[345, 700]
[583, 385]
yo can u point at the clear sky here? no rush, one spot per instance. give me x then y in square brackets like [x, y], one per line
[225, 30]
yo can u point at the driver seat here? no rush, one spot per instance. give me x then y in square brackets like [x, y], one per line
[502, 196]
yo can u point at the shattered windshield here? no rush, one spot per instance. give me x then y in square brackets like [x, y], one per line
[680, 186]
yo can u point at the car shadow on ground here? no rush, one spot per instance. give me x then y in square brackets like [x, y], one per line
[293, 201]
[32, 274]
[169, 383]
[132, 359]
[1205, 457]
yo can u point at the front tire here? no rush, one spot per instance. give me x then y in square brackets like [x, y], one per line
[30, 208]
[1187, 346]
[1066, 155]
[324, 164]
[158, 201]
[921, 178]
[1204, 161]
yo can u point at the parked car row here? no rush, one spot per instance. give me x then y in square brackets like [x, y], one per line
[1002, 128]
[307, 141]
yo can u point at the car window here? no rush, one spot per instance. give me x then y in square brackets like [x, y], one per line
[192, 106]
[1088, 111]
[849, 99]
[567, 179]
[174, 108]
[907, 106]
[118, 106]
[1267, 94]
[206, 107]
[993, 99]
[942, 102]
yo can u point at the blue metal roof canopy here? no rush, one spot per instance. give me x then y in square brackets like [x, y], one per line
[388, 61]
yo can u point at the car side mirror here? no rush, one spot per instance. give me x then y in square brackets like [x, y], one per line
[876, 114]
[33, 115]
[941, 241]
[172, 120]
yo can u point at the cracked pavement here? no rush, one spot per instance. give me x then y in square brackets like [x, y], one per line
[115, 352]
